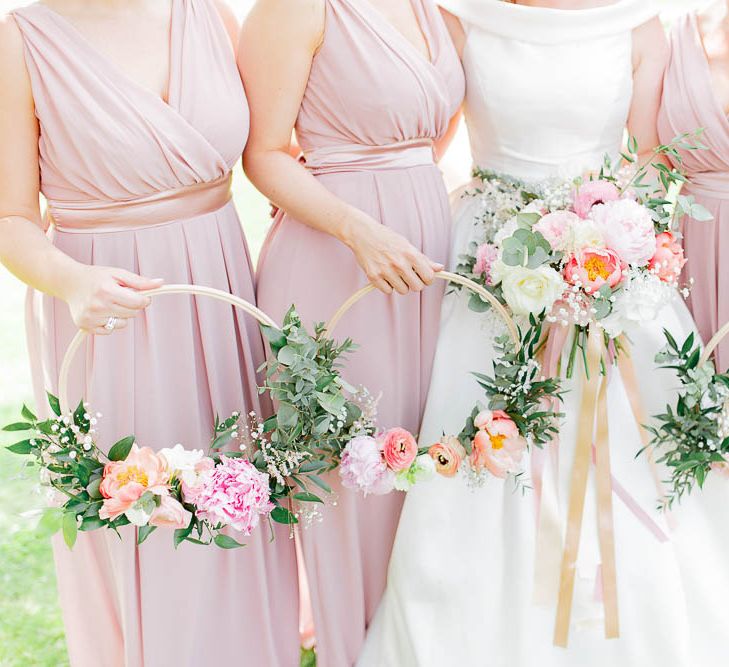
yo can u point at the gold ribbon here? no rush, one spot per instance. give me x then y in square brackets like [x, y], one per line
[630, 382]
[592, 427]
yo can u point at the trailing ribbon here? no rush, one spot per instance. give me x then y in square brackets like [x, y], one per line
[593, 445]
[589, 408]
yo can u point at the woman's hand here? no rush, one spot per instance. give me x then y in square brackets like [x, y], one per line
[97, 293]
[388, 259]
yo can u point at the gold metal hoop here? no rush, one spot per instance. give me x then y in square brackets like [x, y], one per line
[442, 275]
[196, 290]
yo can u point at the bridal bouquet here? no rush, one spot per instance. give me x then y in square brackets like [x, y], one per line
[198, 495]
[598, 249]
[692, 437]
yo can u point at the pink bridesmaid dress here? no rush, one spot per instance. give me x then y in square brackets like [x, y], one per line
[371, 111]
[689, 103]
[139, 183]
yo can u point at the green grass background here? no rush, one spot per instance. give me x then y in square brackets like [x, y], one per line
[31, 632]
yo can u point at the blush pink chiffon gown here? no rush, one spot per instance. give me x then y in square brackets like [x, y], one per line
[689, 103]
[370, 113]
[139, 183]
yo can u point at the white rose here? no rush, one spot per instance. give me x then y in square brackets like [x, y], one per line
[531, 290]
[182, 462]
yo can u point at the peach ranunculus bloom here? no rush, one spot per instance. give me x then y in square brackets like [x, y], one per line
[498, 446]
[125, 482]
[592, 268]
[448, 454]
[399, 449]
[669, 258]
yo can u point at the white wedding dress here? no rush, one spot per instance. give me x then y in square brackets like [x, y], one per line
[548, 94]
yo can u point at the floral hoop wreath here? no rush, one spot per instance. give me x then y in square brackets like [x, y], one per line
[394, 460]
[197, 494]
[692, 437]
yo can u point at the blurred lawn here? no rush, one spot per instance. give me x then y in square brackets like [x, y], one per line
[31, 632]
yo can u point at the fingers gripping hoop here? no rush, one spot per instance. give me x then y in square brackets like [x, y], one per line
[442, 275]
[195, 290]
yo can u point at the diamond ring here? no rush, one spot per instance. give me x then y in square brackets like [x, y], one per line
[110, 323]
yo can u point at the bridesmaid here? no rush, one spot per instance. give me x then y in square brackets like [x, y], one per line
[696, 94]
[369, 86]
[128, 117]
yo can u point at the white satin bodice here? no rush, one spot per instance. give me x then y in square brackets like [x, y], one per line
[548, 91]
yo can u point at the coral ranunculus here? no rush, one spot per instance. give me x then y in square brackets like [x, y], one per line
[399, 448]
[124, 482]
[669, 258]
[592, 268]
[498, 446]
[448, 454]
[594, 192]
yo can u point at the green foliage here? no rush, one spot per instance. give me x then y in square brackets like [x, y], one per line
[316, 415]
[518, 388]
[688, 436]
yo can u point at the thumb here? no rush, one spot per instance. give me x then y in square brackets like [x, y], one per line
[134, 281]
[437, 267]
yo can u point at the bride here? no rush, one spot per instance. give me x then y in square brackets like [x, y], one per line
[552, 85]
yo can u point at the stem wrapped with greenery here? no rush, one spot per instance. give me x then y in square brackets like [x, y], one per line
[518, 388]
[692, 437]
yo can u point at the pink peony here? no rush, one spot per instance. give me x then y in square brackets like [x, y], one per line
[556, 228]
[235, 494]
[399, 449]
[125, 482]
[497, 446]
[627, 228]
[171, 514]
[669, 259]
[593, 268]
[591, 193]
[486, 255]
[448, 454]
[363, 468]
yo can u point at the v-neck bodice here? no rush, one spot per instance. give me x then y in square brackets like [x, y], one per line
[689, 102]
[370, 87]
[106, 139]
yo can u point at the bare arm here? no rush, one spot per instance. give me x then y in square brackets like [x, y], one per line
[93, 293]
[458, 35]
[650, 56]
[275, 81]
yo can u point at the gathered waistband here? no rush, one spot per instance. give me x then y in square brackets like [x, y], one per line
[361, 157]
[156, 209]
[712, 184]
